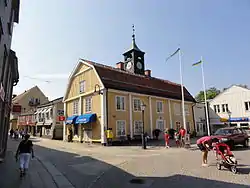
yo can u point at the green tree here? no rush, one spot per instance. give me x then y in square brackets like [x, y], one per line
[211, 93]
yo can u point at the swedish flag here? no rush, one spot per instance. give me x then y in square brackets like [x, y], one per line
[197, 63]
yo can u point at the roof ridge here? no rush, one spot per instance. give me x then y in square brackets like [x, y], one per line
[125, 72]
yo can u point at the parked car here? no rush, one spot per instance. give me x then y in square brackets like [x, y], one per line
[232, 136]
[247, 129]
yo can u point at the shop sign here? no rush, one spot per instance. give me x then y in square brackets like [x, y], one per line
[16, 108]
[61, 118]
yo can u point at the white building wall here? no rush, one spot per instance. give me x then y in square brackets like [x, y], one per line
[235, 97]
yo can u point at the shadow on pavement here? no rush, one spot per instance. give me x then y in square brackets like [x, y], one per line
[89, 172]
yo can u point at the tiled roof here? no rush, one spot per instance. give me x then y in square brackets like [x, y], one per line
[121, 80]
[19, 97]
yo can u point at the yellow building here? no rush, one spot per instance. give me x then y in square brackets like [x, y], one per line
[99, 97]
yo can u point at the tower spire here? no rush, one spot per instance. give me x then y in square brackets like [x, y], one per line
[134, 46]
[133, 31]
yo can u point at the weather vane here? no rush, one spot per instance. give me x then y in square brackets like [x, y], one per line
[133, 29]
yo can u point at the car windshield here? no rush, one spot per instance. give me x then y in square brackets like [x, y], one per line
[223, 132]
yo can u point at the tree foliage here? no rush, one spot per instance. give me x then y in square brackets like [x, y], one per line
[210, 93]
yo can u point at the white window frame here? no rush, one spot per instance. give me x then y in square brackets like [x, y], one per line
[162, 107]
[137, 108]
[117, 126]
[82, 86]
[88, 104]
[75, 107]
[137, 123]
[157, 124]
[218, 108]
[122, 106]
[215, 108]
[177, 109]
[186, 107]
[247, 103]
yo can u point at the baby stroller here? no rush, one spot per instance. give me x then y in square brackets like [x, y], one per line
[227, 158]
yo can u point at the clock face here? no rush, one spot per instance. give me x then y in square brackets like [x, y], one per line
[139, 65]
[129, 65]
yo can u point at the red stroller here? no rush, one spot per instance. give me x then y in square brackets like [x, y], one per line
[227, 158]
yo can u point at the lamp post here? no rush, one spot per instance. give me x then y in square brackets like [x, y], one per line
[229, 117]
[143, 106]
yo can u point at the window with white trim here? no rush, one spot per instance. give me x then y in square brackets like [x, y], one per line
[159, 106]
[137, 105]
[247, 106]
[120, 102]
[225, 108]
[177, 109]
[75, 107]
[138, 126]
[120, 128]
[218, 108]
[88, 104]
[82, 86]
[160, 124]
[186, 109]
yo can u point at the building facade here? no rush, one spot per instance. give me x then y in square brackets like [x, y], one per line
[26, 102]
[49, 119]
[99, 97]
[9, 76]
[232, 106]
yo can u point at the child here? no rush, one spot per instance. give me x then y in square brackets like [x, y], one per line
[177, 139]
[167, 138]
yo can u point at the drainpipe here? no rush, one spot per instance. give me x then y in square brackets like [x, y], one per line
[107, 111]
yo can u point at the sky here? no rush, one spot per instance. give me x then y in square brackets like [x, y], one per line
[53, 34]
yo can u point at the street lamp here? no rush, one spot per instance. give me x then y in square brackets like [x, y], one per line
[143, 106]
[229, 117]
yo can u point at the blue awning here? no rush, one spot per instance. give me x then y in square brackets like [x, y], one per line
[86, 118]
[71, 120]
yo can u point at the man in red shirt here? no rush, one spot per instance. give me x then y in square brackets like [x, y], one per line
[182, 133]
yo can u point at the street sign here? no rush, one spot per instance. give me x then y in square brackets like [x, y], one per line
[2, 92]
[61, 118]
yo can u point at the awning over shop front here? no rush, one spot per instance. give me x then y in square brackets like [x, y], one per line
[86, 118]
[71, 120]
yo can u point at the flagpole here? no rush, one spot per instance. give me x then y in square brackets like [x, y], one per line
[182, 93]
[205, 96]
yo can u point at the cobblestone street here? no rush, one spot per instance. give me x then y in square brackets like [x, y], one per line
[96, 166]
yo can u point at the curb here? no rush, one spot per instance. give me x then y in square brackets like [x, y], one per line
[59, 179]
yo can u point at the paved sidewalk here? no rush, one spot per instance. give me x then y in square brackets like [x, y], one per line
[37, 177]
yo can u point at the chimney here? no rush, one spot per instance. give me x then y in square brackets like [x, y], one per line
[120, 65]
[148, 73]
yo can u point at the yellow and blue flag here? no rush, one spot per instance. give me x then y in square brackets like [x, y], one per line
[197, 63]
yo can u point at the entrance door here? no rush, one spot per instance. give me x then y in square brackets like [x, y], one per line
[200, 129]
[87, 135]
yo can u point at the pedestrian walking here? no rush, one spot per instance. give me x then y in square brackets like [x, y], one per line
[177, 139]
[109, 134]
[16, 134]
[205, 144]
[11, 133]
[182, 135]
[166, 134]
[24, 153]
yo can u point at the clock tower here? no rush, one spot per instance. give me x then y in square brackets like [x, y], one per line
[134, 58]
